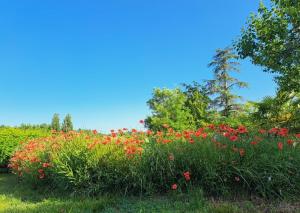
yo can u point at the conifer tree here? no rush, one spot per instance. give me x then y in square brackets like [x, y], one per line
[220, 88]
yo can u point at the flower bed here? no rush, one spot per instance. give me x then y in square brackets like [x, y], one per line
[217, 159]
[10, 139]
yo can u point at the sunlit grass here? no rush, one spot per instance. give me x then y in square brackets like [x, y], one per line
[16, 197]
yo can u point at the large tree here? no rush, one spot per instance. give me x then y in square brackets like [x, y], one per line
[67, 124]
[220, 88]
[180, 108]
[168, 107]
[271, 39]
[197, 101]
[55, 125]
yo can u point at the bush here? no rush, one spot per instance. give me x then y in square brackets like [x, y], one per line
[10, 139]
[220, 160]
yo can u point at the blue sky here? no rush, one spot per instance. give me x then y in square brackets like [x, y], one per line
[100, 60]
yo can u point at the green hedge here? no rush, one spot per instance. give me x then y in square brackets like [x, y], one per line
[11, 137]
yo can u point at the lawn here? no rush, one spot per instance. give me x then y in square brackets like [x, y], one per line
[16, 197]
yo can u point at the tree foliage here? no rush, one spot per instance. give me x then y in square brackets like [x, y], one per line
[280, 111]
[55, 125]
[197, 102]
[168, 107]
[224, 61]
[272, 39]
[67, 124]
[178, 109]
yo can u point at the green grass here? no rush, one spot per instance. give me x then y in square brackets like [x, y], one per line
[17, 197]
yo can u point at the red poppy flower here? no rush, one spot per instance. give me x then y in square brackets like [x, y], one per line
[178, 135]
[226, 134]
[149, 132]
[187, 176]
[211, 126]
[297, 135]
[233, 138]
[45, 165]
[283, 132]
[174, 186]
[166, 141]
[242, 129]
[95, 132]
[273, 130]
[204, 135]
[290, 142]
[198, 133]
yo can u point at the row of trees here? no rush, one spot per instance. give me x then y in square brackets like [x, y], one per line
[194, 105]
[270, 39]
[66, 126]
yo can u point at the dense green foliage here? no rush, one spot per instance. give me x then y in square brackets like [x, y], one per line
[170, 107]
[43, 126]
[197, 101]
[281, 111]
[272, 40]
[10, 138]
[220, 160]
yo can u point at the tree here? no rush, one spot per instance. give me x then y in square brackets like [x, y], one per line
[197, 101]
[220, 88]
[280, 111]
[67, 124]
[169, 107]
[271, 39]
[55, 124]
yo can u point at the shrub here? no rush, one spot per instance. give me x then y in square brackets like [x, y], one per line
[219, 159]
[10, 139]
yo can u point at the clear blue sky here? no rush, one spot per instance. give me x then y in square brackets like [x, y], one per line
[100, 60]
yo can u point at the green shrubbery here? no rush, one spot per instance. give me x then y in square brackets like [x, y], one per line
[11, 137]
[219, 161]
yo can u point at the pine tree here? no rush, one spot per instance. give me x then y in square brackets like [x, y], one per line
[220, 88]
[55, 125]
[67, 124]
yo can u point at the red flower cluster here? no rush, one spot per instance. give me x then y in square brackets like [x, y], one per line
[31, 158]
